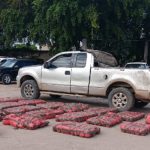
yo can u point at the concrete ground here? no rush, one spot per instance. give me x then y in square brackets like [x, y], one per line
[46, 139]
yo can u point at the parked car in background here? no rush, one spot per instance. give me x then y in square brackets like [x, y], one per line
[3, 59]
[140, 65]
[9, 69]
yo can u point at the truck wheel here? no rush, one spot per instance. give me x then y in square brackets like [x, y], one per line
[54, 96]
[6, 79]
[140, 104]
[30, 89]
[121, 98]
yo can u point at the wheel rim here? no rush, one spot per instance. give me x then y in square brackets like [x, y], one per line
[7, 79]
[28, 90]
[120, 100]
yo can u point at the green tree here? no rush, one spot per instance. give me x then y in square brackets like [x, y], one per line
[39, 27]
[120, 26]
[70, 21]
[14, 20]
[111, 25]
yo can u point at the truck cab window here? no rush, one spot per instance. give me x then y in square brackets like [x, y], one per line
[81, 60]
[62, 61]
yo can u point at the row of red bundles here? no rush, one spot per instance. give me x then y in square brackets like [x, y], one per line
[77, 129]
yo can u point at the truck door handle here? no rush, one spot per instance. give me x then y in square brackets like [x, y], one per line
[105, 76]
[67, 72]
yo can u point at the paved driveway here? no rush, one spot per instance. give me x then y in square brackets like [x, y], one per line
[46, 139]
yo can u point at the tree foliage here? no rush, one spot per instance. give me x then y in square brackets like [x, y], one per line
[111, 25]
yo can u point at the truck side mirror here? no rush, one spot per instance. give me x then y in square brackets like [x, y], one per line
[48, 65]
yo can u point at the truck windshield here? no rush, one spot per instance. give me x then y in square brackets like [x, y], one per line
[9, 63]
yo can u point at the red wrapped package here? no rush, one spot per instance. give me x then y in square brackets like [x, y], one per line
[106, 120]
[20, 109]
[74, 107]
[51, 105]
[10, 105]
[24, 122]
[33, 102]
[8, 99]
[147, 118]
[44, 113]
[77, 129]
[101, 110]
[75, 116]
[135, 128]
[131, 116]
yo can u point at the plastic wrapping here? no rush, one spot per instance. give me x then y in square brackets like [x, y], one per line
[75, 116]
[24, 122]
[135, 128]
[20, 109]
[107, 120]
[74, 107]
[131, 116]
[77, 129]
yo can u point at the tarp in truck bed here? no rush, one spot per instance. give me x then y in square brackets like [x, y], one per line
[103, 59]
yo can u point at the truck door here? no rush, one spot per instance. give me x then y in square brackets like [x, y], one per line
[80, 74]
[56, 77]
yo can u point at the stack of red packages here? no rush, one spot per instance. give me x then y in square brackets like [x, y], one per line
[51, 105]
[106, 120]
[75, 116]
[74, 107]
[101, 110]
[24, 122]
[131, 116]
[135, 128]
[45, 113]
[77, 129]
[20, 109]
[8, 99]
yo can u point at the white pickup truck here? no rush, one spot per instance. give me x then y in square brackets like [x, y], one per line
[79, 73]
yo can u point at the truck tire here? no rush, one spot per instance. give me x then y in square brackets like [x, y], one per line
[6, 79]
[121, 98]
[140, 104]
[30, 89]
